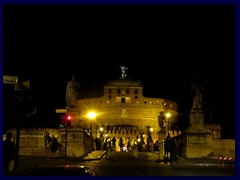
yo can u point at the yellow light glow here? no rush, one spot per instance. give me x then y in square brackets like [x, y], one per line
[151, 129]
[101, 129]
[168, 115]
[91, 115]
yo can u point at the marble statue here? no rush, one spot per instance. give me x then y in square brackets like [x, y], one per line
[196, 91]
[72, 92]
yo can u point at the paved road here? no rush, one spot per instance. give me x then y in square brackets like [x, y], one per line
[124, 164]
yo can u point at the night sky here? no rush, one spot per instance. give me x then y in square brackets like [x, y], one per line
[163, 46]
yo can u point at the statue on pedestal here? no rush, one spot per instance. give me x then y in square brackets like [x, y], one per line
[124, 74]
[196, 91]
[161, 135]
[72, 92]
[161, 122]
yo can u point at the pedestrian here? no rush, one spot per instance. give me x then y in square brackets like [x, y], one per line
[55, 146]
[47, 141]
[121, 144]
[151, 145]
[48, 144]
[114, 143]
[156, 144]
[9, 150]
[96, 143]
[173, 151]
[167, 147]
[102, 143]
[129, 145]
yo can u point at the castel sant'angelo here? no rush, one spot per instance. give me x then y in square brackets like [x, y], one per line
[124, 113]
[122, 110]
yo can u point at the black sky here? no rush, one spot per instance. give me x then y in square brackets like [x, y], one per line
[164, 46]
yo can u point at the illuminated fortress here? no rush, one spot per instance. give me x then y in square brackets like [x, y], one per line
[123, 111]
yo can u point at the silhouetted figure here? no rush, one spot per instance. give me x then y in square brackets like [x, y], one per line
[55, 145]
[9, 150]
[129, 145]
[121, 144]
[167, 147]
[173, 151]
[196, 91]
[47, 140]
[114, 143]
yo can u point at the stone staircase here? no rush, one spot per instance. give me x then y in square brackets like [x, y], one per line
[37, 152]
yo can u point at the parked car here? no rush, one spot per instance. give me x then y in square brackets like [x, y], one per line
[55, 170]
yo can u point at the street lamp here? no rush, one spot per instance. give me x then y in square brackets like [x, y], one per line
[101, 129]
[168, 116]
[67, 121]
[151, 129]
[162, 134]
[91, 115]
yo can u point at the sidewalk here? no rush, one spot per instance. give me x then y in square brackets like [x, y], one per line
[202, 162]
[94, 155]
[181, 162]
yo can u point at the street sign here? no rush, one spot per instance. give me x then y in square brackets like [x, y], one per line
[61, 110]
[10, 79]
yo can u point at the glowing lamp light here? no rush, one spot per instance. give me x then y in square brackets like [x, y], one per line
[168, 115]
[91, 115]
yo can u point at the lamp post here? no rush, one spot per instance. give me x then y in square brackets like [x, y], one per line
[101, 131]
[162, 134]
[168, 116]
[91, 116]
[68, 118]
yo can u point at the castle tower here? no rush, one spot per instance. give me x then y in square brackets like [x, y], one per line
[123, 111]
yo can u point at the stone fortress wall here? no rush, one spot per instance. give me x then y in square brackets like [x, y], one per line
[123, 111]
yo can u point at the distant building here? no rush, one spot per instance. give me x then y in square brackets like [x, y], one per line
[122, 111]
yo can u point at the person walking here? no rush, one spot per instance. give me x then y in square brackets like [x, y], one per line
[121, 144]
[114, 143]
[55, 146]
[173, 151]
[167, 144]
[9, 150]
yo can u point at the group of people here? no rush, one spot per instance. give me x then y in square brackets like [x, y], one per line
[123, 144]
[171, 149]
[51, 144]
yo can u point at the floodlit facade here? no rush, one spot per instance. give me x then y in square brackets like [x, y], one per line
[123, 111]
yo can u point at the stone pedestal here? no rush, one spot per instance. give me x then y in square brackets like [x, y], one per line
[196, 119]
[198, 140]
[161, 138]
[76, 141]
[198, 143]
